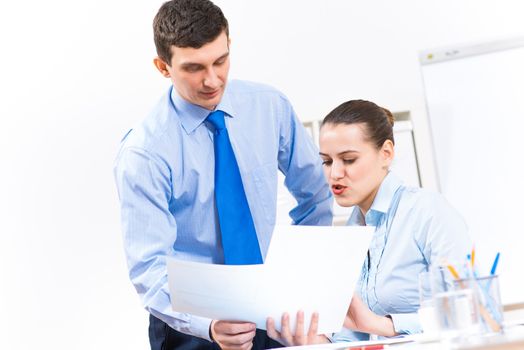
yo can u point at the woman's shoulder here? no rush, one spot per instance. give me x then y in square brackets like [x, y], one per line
[425, 200]
[435, 218]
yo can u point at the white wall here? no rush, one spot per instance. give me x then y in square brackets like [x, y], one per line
[75, 75]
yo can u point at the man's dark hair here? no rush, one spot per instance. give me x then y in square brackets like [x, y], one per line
[187, 23]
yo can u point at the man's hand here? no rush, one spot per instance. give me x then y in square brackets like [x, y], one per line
[360, 318]
[233, 335]
[287, 338]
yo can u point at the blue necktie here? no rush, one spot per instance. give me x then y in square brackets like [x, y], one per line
[239, 237]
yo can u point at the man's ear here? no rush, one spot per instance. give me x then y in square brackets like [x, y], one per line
[387, 153]
[161, 66]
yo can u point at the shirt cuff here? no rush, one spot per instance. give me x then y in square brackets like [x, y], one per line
[200, 327]
[347, 335]
[185, 323]
[406, 323]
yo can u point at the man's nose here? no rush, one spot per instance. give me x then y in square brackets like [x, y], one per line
[211, 79]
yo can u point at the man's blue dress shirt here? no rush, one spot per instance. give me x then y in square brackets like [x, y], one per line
[165, 178]
[414, 228]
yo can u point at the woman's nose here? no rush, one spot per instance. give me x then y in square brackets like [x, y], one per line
[337, 170]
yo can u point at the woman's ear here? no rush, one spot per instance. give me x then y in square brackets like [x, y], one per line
[162, 67]
[387, 153]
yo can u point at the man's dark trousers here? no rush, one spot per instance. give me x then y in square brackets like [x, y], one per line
[163, 337]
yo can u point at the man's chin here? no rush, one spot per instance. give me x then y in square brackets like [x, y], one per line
[210, 103]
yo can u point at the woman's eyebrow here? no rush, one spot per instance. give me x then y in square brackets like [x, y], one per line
[339, 154]
[348, 151]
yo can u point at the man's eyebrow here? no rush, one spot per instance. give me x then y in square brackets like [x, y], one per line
[191, 65]
[198, 65]
[223, 56]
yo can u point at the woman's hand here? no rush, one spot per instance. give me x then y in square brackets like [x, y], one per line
[360, 318]
[287, 338]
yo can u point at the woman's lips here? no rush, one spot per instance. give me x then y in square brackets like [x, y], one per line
[338, 189]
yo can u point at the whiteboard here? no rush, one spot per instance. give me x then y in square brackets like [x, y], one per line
[475, 101]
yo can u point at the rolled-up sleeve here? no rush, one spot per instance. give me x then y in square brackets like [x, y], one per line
[348, 335]
[406, 323]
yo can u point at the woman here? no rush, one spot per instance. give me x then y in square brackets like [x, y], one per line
[414, 227]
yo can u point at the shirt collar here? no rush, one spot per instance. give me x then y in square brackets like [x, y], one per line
[386, 192]
[191, 115]
[381, 203]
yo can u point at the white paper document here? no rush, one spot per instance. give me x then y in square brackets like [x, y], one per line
[309, 268]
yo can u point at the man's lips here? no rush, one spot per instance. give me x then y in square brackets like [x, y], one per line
[338, 189]
[210, 94]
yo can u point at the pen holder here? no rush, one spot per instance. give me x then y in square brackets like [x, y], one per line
[455, 303]
[464, 308]
[487, 295]
[457, 313]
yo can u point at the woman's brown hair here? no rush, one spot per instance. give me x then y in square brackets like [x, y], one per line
[378, 121]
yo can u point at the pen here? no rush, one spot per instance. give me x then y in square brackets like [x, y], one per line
[487, 289]
[444, 285]
[369, 347]
[454, 272]
[472, 268]
[473, 257]
[495, 263]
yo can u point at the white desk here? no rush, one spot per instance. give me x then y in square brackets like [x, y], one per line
[512, 339]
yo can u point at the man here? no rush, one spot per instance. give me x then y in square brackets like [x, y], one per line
[207, 152]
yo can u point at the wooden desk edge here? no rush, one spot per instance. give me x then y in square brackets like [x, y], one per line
[515, 306]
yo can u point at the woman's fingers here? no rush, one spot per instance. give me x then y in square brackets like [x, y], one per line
[313, 325]
[297, 336]
[299, 327]
[271, 330]
[285, 330]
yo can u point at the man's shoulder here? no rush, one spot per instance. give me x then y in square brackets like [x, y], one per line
[150, 131]
[254, 89]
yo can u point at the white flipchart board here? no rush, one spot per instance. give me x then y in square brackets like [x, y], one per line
[475, 101]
